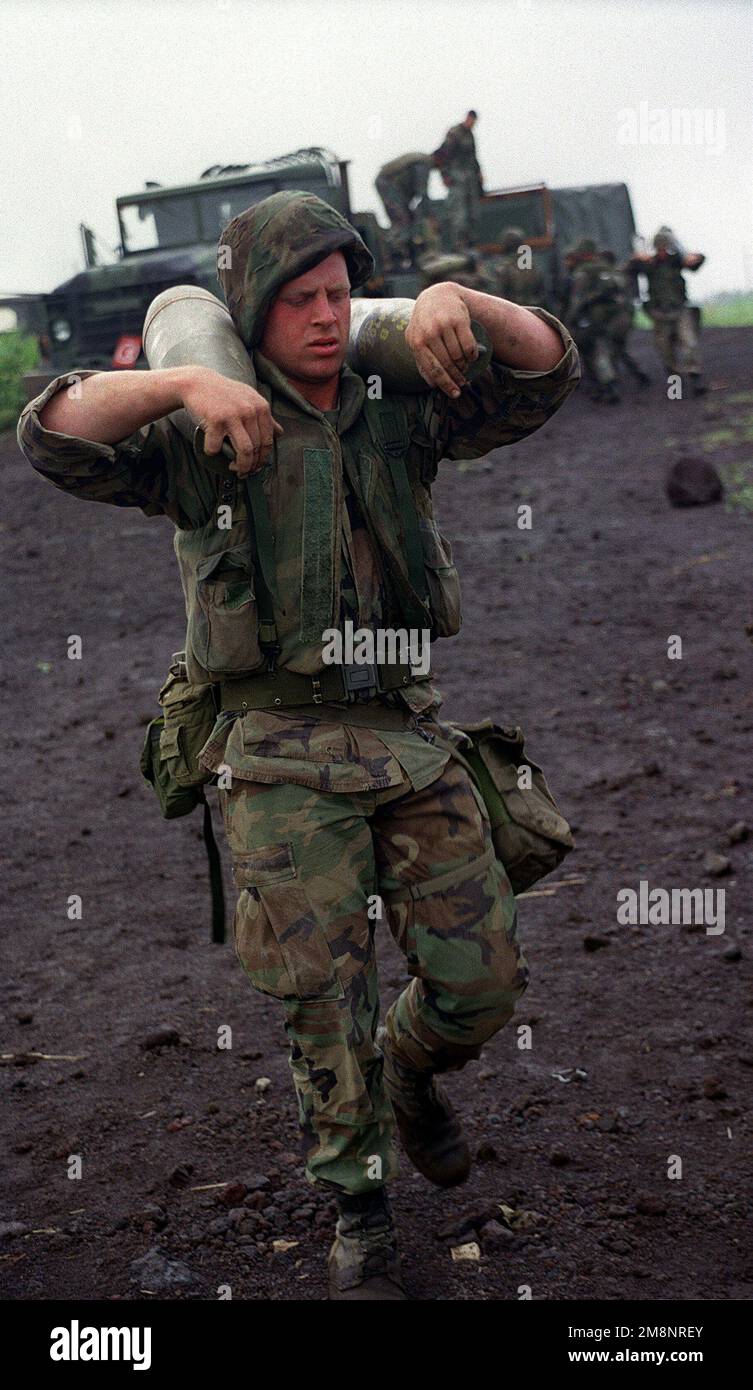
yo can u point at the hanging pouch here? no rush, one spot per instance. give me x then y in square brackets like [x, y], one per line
[170, 763]
[174, 740]
[530, 835]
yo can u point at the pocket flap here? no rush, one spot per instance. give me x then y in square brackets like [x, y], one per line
[260, 868]
[169, 741]
[437, 550]
[531, 808]
[149, 752]
[502, 752]
[216, 567]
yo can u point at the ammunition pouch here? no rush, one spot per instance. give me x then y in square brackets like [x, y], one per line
[170, 763]
[174, 798]
[529, 834]
[170, 759]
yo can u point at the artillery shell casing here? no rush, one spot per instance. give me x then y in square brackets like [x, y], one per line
[186, 326]
[377, 345]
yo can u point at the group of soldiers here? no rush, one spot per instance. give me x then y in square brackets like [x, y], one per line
[597, 303]
[402, 186]
[596, 296]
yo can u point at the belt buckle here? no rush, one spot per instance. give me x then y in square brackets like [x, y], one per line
[361, 681]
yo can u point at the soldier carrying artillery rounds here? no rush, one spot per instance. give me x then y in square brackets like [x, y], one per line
[342, 790]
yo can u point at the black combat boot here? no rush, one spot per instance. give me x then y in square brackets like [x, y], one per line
[429, 1128]
[364, 1263]
[610, 395]
[699, 386]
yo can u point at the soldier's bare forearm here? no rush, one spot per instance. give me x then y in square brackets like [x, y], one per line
[519, 338]
[110, 406]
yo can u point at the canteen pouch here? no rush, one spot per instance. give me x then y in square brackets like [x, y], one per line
[170, 756]
[174, 799]
[170, 763]
[530, 835]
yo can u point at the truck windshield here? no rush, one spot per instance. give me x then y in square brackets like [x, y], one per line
[218, 206]
[152, 223]
[159, 222]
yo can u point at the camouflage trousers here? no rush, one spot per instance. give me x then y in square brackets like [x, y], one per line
[676, 338]
[462, 211]
[597, 350]
[404, 198]
[317, 871]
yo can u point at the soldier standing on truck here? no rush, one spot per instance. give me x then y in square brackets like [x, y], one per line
[461, 172]
[675, 321]
[402, 186]
[339, 791]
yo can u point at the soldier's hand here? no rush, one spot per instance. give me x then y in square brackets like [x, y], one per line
[439, 336]
[234, 411]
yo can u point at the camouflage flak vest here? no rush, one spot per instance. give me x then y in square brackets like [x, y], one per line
[270, 580]
[666, 286]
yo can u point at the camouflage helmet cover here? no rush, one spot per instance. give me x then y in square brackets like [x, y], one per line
[664, 237]
[511, 238]
[276, 240]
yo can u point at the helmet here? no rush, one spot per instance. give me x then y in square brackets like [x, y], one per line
[665, 238]
[511, 238]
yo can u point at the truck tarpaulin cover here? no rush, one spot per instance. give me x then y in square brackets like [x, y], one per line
[601, 211]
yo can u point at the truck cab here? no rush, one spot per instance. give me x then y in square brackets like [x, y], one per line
[169, 236]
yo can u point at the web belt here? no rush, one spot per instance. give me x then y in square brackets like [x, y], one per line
[351, 683]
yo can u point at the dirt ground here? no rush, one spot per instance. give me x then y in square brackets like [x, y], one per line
[566, 632]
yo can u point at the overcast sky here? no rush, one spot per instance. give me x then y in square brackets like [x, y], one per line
[99, 95]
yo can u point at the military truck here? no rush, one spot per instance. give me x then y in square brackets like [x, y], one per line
[169, 236]
[553, 219]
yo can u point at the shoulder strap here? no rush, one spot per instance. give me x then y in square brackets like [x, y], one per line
[388, 427]
[215, 874]
[263, 564]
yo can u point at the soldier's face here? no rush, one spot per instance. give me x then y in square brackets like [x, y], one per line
[306, 329]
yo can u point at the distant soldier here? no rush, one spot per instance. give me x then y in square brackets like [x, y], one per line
[464, 268]
[427, 238]
[402, 186]
[515, 277]
[592, 301]
[564, 281]
[459, 167]
[675, 321]
[620, 325]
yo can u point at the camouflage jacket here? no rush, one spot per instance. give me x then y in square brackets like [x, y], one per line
[595, 293]
[514, 282]
[463, 268]
[156, 470]
[456, 156]
[667, 292]
[320, 467]
[403, 162]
